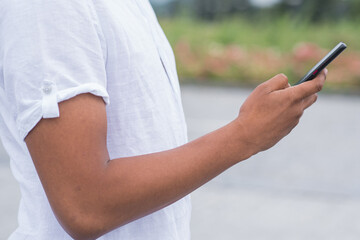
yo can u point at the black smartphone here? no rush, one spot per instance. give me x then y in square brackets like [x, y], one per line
[323, 63]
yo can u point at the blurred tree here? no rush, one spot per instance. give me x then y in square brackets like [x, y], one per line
[319, 10]
[166, 7]
[211, 9]
[309, 10]
[354, 9]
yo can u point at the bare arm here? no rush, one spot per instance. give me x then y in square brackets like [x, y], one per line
[91, 195]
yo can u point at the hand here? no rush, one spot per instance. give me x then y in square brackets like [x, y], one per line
[274, 108]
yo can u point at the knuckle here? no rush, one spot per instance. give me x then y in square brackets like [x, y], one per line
[297, 122]
[325, 76]
[299, 114]
[318, 86]
[263, 87]
[283, 78]
[294, 124]
[299, 111]
[315, 98]
[290, 98]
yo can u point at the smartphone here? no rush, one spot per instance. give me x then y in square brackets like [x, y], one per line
[323, 63]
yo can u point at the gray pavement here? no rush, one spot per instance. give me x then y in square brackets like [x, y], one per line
[306, 187]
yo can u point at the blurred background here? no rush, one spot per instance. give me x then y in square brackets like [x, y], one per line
[307, 186]
[247, 41]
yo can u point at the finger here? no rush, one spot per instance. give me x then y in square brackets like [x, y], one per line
[278, 82]
[307, 102]
[309, 88]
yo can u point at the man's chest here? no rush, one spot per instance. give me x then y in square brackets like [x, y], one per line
[136, 47]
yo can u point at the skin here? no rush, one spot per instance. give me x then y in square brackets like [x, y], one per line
[91, 195]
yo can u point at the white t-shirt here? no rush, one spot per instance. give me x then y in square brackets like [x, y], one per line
[51, 51]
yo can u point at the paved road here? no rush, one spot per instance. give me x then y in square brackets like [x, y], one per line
[306, 187]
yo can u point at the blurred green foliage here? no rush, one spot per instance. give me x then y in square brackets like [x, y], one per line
[243, 50]
[280, 33]
[311, 10]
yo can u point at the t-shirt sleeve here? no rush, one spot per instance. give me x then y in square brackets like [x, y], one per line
[50, 51]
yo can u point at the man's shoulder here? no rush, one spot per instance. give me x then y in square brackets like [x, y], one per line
[22, 16]
[40, 7]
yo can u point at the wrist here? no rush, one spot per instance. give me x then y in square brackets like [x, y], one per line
[243, 138]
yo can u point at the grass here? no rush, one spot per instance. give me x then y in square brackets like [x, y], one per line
[238, 51]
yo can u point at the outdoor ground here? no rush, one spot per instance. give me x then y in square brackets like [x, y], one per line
[306, 187]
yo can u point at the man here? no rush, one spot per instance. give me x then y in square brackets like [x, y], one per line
[89, 169]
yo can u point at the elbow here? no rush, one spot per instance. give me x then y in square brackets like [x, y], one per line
[82, 226]
[82, 234]
[92, 225]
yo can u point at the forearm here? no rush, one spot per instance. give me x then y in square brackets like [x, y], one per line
[137, 186]
[91, 195]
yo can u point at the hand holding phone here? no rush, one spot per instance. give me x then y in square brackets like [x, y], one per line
[323, 63]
